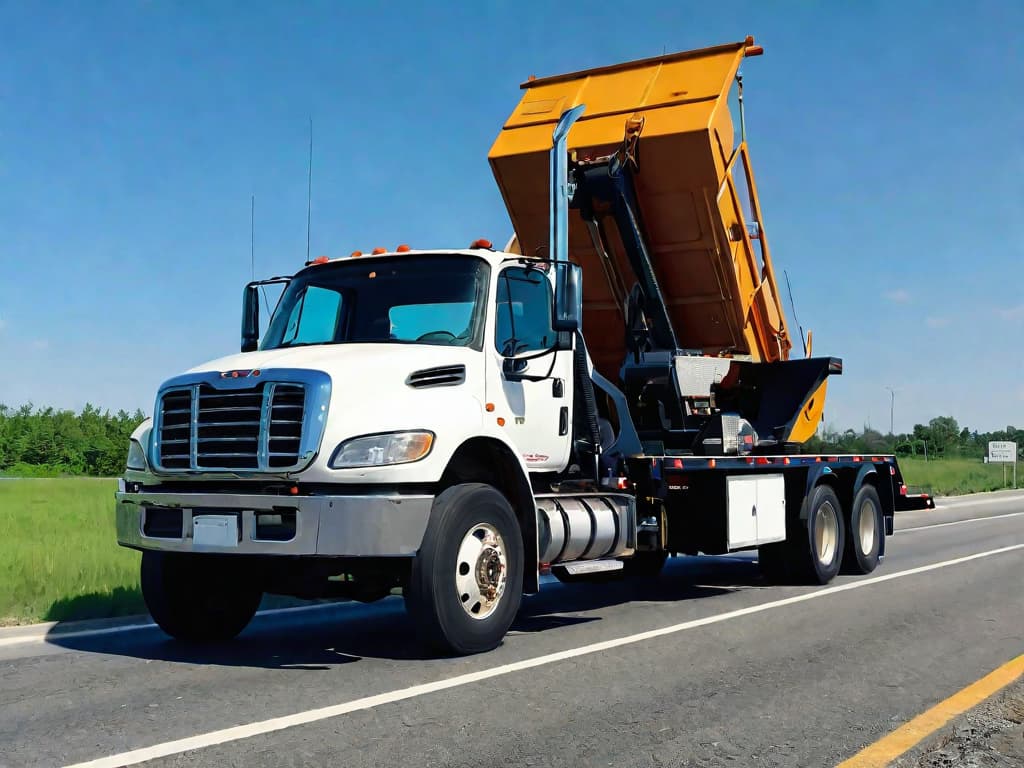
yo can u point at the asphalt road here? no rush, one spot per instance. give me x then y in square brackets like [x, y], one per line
[706, 667]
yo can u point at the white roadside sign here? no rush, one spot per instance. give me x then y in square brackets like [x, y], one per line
[1002, 451]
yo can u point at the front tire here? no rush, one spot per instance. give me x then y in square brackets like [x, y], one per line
[198, 598]
[864, 532]
[466, 582]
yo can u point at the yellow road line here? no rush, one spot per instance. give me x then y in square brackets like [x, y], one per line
[910, 734]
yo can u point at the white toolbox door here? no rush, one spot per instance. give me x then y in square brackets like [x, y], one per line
[742, 511]
[771, 508]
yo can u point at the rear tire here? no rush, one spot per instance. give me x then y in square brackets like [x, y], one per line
[466, 582]
[198, 598]
[821, 538]
[864, 532]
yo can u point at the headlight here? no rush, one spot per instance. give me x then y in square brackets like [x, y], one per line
[136, 455]
[377, 450]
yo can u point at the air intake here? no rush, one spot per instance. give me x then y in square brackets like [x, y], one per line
[442, 376]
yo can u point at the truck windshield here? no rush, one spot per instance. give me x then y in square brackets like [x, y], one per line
[405, 299]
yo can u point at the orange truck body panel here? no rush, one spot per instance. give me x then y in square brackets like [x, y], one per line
[695, 190]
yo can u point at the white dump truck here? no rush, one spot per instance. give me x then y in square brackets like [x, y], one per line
[613, 387]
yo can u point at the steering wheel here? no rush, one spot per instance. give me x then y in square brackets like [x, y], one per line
[444, 334]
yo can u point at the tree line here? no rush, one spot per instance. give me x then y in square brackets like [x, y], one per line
[939, 438]
[38, 442]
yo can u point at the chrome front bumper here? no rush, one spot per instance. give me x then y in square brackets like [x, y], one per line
[357, 526]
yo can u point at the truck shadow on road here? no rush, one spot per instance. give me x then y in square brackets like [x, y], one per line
[345, 633]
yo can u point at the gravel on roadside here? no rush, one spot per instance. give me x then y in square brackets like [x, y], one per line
[989, 736]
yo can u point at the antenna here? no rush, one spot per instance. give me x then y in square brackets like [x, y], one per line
[792, 305]
[309, 187]
[252, 236]
[252, 248]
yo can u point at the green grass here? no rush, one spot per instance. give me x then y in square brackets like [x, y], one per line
[59, 558]
[951, 477]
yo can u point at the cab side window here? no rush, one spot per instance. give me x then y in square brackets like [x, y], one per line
[524, 312]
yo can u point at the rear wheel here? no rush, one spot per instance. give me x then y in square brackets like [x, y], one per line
[198, 598]
[820, 541]
[864, 532]
[466, 582]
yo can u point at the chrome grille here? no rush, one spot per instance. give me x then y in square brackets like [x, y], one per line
[228, 427]
[257, 428]
[174, 445]
[287, 410]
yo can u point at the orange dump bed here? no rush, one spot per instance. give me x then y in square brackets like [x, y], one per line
[695, 191]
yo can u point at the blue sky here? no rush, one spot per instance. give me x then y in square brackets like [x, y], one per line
[886, 140]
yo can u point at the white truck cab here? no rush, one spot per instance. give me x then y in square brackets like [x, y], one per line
[390, 393]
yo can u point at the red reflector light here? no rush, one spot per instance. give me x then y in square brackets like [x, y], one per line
[677, 463]
[903, 489]
[785, 460]
[481, 243]
[403, 248]
[378, 251]
[763, 460]
[355, 254]
[294, 490]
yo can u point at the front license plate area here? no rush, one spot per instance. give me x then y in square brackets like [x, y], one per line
[214, 531]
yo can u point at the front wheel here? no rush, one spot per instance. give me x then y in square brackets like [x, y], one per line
[466, 582]
[198, 598]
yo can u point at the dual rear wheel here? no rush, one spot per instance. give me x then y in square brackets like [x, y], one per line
[827, 541]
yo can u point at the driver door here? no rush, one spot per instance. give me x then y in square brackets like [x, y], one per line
[537, 414]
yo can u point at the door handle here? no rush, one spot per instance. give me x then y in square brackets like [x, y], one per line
[563, 421]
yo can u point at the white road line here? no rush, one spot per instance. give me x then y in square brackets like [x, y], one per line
[43, 637]
[969, 501]
[236, 733]
[958, 522]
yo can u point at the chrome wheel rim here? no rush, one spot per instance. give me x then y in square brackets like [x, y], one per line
[826, 532]
[866, 528]
[481, 570]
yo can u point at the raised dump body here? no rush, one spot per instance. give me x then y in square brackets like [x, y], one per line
[699, 218]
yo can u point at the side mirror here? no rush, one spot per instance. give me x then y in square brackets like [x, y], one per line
[251, 318]
[568, 310]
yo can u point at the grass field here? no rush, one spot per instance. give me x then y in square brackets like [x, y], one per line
[59, 557]
[952, 477]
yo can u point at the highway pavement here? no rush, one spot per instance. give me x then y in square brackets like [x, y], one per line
[706, 666]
